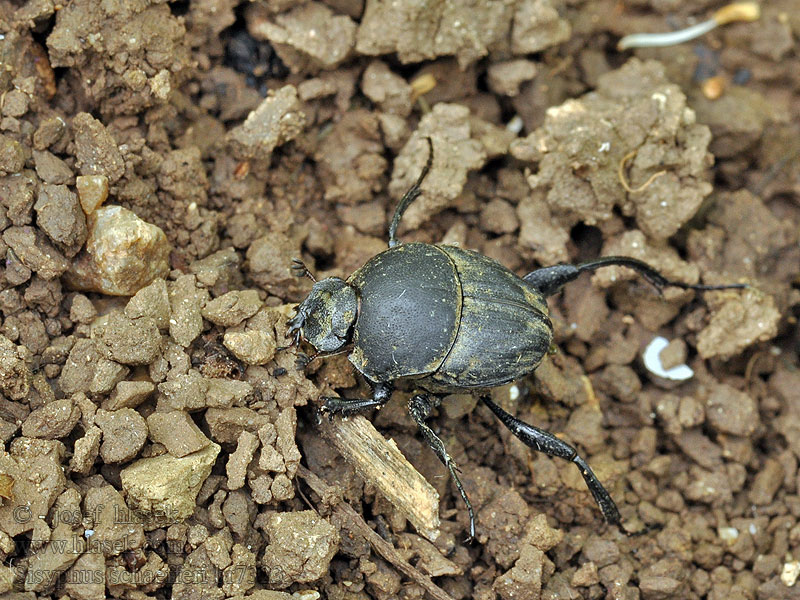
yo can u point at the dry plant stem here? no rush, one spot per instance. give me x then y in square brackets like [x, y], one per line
[624, 181]
[354, 520]
[378, 461]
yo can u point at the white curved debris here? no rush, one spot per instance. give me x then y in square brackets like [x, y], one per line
[652, 361]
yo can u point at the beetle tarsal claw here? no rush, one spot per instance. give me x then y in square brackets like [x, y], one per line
[326, 409]
[294, 326]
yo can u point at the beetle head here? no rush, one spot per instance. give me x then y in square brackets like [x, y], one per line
[326, 316]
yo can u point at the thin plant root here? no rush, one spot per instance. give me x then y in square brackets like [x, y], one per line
[624, 181]
[738, 11]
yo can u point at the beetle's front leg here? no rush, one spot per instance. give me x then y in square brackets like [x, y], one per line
[334, 405]
[546, 442]
[420, 407]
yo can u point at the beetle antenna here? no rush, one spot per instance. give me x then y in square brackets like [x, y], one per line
[412, 194]
[299, 269]
[303, 360]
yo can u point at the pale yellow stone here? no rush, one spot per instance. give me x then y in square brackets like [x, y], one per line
[163, 490]
[122, 255]
[92, 191]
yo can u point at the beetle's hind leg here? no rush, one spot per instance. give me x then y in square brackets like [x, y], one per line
[333, 405]
[549, 280]
[420, 407]
[543, 441]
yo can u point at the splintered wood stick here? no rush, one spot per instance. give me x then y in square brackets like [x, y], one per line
[379, 461]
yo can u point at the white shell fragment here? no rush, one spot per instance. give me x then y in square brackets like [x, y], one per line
[652, 361]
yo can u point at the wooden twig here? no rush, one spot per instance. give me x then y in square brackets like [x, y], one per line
[356, 522]
[381, 463]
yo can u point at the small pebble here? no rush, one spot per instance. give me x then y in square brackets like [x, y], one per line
[164, 488]
[277, 120]
[301, 546]
[586, 575]
[767, 482]
[652, 361]
[127, 341]
[714, 87]
[123, 254]
[92, 191]
[790, 573]
[12, 155]
[729, 410]
[505, 78]
[232, 308]
[674, 354]
[252, 346]
[124, 434]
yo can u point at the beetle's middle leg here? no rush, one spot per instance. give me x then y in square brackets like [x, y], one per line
[544, 441]
[420, 407]
[333, 405]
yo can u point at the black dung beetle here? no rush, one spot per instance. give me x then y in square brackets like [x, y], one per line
[446, 320]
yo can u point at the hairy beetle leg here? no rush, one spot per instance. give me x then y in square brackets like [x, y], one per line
[420, 407]
[546, 442]
[347, 407]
